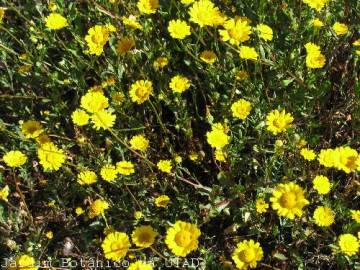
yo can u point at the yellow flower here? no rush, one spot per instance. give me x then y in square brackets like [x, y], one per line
[80, 117]
[148, 6]
[356, 42]
[14, 158]
[31, 129]
[2, 14]
[97, 37]
[247, 254]
[161, 62]
[86, 178]
[115, 246]
[348, 244]
[247, 52]
[346, 159]
[179, 84]
[204, 13]
[51, 157]
[241, 75]
[131, 22]
[55, 21]
[327, 157]
[187, 2]
[236, 31]
[355, 214]
[96, 88]
[139, 265]
[278, 121]
[103, 119]
[118, 97]
[307, 154]
[324, 216]
[261, 206]
[23, 262]
[322, 184]
[241, 109]
[179, 29]
[314, 57]
[265, 31]
[140, 91]
[217, 137]
[317, 23]
[98, 208]
[162, 201]
[143, 236]
[138, 215]
[49, 235]
[94, 102]
[125, 44]
[220, 155]
[178, 159]
[288, 200]
[316, 4]
[125, 167]
[208, 57]
[4, 193]
[109, 172]
[139, 142]
[79, 211]
[193, 156]
[182, 238]
[164, 166]
[340, 28]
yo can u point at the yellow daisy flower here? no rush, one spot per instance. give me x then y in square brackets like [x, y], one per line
[241, 109]
[278, 121]
[86, 178]
[140, 91]
[51, 157]
[247, 254]
[322, 184]
[115, 246]
[179, 29]
[98, 208]
[162, 201]
[164, 166]
[31, 129]
[109, 172]
[55, 21]
[139, 142]
[324, 216]
[125, 167]
[144, 236]
[14, 158]
[348, 244]
[179, 84]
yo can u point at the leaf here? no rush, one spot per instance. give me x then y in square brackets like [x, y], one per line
[280, 256]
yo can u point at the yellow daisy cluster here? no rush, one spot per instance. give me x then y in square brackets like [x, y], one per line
[314, 57]
[342, 158]
[218, 137]
[97, 37]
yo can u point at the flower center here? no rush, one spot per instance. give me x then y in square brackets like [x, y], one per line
[288, 200]
[183, 239]
[247, 255]
[116, 247]
[144, 237]
[279, 123]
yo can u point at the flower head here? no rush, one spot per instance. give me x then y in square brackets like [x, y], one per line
[261, 206]
[247, 52]
[340, 28]
[55, 21]
[316, 4]
[307, 154]
[346, 159]
[98, 208]
[14, 158]
[162, 201]
[182, 238]
[348, 244]
[317, 23]
[139, 142]
[164, 166]
[236, 31]
[247, 254]
[288, 200]
[148, 6]
[144, 236]
[80, 117]
[94, 102]
[131, 22]
[125, 167]
[265, 32]
[97, 37]
[204, 13]
[328, 157]
[23, 262]
[109, 172]
[241, 109]
[31, 129]
[115, 245]
[355, 215]
[124, 45]
[86, 177]
[208, 57]
[103, 119]
[324, 216]
[4, 193]
[140, 91]
[179, 84]
[217, 137]
[314, 57]
[179, 29]
[278, 121]
[322, 184]
[51, 157]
